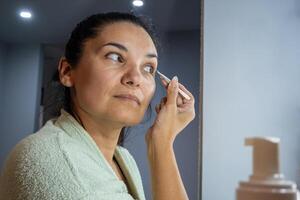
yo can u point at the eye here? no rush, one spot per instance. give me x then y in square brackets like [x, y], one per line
[149, 68]
[114, 57]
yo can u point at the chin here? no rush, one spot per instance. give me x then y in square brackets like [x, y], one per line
[129, 121]
[126, 117]
[126, 114]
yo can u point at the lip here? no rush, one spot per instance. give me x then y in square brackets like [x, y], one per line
[130, 97]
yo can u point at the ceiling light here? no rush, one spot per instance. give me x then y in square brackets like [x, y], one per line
[25, 14]
[138, 3]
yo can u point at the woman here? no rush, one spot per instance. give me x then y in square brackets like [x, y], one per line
[108, 71]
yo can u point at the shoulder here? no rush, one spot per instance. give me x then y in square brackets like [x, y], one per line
[37, 168]
[38, 147]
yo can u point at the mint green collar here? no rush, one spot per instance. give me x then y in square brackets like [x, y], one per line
[71, 127]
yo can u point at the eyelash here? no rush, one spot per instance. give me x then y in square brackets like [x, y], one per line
[121, 60]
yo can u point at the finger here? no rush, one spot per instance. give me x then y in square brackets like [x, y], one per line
[180, 100]
[185, 109]
[164, 82]
[187, 92]
[172, 91]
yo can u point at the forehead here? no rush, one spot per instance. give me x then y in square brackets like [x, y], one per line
[130, 35]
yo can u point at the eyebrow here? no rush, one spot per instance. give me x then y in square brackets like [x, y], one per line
[123, 48]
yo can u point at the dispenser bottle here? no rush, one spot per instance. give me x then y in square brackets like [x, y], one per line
[266, 182]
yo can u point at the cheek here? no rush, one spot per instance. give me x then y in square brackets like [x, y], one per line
[91, 88]
[149, 90]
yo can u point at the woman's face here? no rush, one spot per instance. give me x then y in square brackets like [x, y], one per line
[114, 79]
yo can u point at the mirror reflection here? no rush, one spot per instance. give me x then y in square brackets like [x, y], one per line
[84, 113]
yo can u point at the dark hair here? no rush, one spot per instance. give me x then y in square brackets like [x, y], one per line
[87, 29]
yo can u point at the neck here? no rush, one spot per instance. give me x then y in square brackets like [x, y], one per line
[105, 133]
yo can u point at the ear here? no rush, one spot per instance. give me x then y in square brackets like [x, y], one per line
[65, 72]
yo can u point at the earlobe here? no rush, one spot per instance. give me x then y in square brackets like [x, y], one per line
[64, 70]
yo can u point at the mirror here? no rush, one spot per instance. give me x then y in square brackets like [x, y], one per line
[29, 54]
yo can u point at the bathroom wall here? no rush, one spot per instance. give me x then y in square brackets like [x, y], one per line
[20, 95]
[2, 56]
[251, 88]
[179, 56]
[2, 64]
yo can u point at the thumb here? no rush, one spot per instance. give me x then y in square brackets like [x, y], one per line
[172, 91]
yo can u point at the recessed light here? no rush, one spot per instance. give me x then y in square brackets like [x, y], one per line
[25, 14]
[138, 3]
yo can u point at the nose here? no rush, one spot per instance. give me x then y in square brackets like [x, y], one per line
[132, 77]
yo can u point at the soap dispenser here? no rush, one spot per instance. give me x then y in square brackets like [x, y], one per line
[266, 182]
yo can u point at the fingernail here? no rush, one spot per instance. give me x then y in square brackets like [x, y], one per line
[175, 81]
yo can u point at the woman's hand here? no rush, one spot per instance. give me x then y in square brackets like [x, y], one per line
[173, 114]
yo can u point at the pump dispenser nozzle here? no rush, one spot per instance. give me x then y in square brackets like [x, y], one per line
[266, 182]
[265, 158]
